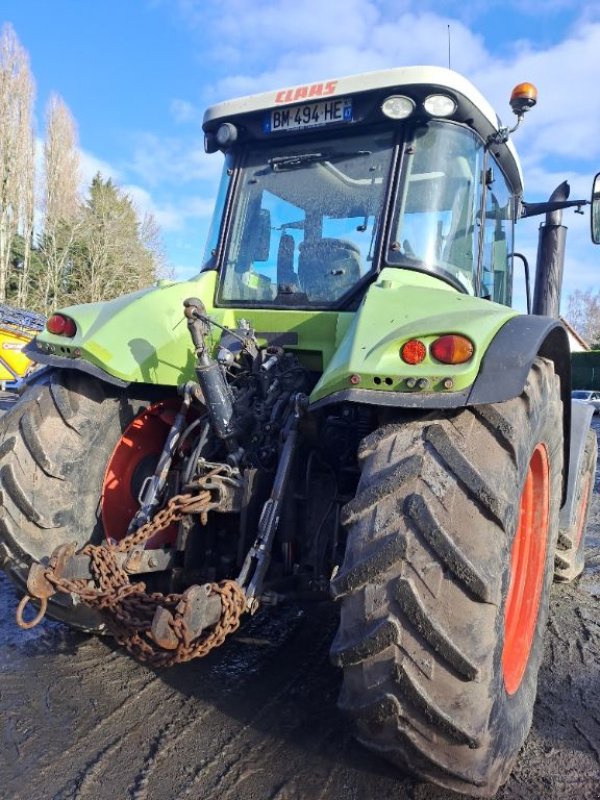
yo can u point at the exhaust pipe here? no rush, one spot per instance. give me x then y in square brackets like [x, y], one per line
[551, 258]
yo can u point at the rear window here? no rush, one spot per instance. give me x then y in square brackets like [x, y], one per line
[305, 221]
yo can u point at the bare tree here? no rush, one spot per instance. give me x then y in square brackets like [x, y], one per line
[86, 251]
[27, 211]
[61, 203]
[151, 238]
[583, 312]
[16, 161]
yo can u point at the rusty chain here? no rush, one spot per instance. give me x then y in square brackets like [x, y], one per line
[128, 609]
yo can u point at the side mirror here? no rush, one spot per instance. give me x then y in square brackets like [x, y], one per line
[262, 243]
[595, 213]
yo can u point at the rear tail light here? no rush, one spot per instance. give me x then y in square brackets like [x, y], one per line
[413, 351]
[60, 325]
[452, 349]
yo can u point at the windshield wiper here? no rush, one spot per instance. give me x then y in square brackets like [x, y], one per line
[290, 162]
[279, 163]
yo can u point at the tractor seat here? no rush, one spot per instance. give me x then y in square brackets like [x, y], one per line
[327, 268]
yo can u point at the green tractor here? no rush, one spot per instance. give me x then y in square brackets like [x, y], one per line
[342, 401]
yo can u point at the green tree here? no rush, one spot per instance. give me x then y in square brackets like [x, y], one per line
[114, 252]
[27, 268]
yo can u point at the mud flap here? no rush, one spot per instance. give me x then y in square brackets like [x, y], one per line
[581, 417]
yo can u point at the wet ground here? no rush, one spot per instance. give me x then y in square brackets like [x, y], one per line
[6, 400]
[257, 719]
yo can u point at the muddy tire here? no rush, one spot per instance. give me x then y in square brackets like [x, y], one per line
[55, 444]
[436, 676]
[569, 560]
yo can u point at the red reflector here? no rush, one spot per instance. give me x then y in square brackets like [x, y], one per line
[60, 325]
[413, 352]
[452, 349]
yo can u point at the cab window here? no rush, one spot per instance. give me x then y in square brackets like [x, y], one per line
[496, 261]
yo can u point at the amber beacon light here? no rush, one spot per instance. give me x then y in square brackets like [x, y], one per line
[523, 97]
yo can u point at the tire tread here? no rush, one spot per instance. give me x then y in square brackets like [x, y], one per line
[418, 638]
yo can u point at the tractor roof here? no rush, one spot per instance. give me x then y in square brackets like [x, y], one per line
[416, 82]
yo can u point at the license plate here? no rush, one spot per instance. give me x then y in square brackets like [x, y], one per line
[309, 115]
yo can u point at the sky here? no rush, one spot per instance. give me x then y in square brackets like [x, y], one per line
[138, 74]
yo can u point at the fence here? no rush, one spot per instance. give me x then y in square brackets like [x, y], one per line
[586, 370]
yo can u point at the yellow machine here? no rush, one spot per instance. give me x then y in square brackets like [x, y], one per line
[17, 328]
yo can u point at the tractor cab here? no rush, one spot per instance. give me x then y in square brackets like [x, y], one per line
[326, 184]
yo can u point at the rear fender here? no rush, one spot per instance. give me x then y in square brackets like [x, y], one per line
[508, 360]
[368, 367]
[502, 375]
[137, 338]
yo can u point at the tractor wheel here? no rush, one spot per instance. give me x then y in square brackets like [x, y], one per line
[445, 584]
[73, 455]
[569, 559]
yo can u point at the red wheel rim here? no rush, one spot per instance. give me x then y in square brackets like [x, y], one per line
[528, 559]
[133, 459]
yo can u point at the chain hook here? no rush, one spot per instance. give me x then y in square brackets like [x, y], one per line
[22, 623]
[127, 608]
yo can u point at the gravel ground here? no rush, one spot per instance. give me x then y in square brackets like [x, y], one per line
[257, 719]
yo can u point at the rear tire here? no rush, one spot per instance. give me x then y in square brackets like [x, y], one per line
[430, 635]
[55, 444]
[569, 561]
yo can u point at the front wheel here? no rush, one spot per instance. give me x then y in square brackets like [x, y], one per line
[445, 584]
[73, 456]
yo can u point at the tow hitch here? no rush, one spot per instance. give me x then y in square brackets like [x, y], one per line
[164, 629]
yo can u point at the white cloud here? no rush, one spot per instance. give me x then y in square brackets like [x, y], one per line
[244, 32]
[198, 207]
[159, 160]
[183, 111]
[185, 272]
[565, 121]
[90, 165]
[402, 39]
[170, 216]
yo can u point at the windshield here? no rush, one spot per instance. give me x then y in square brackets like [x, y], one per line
[436, 221]
[306, 220]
